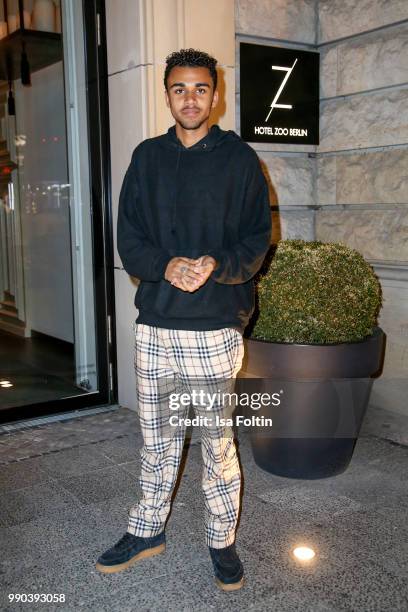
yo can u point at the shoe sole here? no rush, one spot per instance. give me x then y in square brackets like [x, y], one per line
[144, 554]
[234, 586]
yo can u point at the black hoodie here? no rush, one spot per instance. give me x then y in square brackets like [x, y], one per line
[208, 199]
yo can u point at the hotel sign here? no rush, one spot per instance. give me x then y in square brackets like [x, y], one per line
[279, 91]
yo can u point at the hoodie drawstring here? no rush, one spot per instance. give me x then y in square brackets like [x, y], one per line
[173, 216]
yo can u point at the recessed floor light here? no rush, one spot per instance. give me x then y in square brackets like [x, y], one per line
[304, 553]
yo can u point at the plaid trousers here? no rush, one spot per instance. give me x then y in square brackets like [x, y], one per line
[168, 363]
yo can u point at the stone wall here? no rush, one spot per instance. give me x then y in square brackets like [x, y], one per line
[362, 159]
[291, 170]
[353, 187]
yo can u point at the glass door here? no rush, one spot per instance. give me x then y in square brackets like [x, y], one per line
[55, 342]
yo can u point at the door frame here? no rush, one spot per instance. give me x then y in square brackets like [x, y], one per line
[96, 70]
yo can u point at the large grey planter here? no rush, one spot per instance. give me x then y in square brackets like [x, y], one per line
[324, 392]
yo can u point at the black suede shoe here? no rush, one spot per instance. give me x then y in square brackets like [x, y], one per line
[228, 570]
[128, 550]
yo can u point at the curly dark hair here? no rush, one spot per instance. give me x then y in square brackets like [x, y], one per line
[191, 58]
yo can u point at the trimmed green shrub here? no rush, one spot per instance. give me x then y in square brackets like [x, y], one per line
[316, 293]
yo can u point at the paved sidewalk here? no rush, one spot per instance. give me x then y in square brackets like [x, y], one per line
[65, 490]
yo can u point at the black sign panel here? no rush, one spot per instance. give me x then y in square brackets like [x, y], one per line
[279, 91]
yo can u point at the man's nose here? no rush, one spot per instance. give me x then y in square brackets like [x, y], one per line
[190, 97]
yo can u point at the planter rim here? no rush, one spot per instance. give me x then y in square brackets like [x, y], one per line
[376, 332]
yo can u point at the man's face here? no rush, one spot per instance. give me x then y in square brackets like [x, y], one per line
[190, 96]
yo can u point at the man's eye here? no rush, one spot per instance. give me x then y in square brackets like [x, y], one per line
[178, 91]
[201, 90]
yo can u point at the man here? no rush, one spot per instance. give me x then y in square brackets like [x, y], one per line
[194, 226]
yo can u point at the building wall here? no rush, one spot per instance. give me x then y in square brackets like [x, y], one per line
[290, 169]
[352, 187]
[362, 159]
[140, 35]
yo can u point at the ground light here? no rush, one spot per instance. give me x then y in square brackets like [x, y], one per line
[303, 553]
[5, 383]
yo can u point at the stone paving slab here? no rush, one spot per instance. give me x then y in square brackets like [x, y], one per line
[366, 588]
[74, 461]
[97, 486]
[61, 509]
[315, 502]
[21, 474]
[40, 541]
[24, 505]
[121, 450]
[82, 430]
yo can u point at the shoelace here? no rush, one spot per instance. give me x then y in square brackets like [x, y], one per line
[125, 540]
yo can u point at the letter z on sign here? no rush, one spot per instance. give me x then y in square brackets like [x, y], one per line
[288, 70]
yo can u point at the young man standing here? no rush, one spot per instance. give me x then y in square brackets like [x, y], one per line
[194, 226]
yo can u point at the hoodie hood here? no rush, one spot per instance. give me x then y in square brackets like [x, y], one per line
[214, 138]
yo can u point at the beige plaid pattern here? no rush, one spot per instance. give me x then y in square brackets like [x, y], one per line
[171, 361]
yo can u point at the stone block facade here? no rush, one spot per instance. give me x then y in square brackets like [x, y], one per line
[364, 63]
[290, 169]
[368, 177]
[340, 18]
[380, 235]
[353, 186]
[278, 19]
[364, 121]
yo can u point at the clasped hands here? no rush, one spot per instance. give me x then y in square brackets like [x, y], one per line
[189, 274]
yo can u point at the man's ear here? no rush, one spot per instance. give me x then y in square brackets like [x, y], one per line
[166, 96]
[215, 99]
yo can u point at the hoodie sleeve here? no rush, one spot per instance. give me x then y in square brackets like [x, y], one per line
[240, 262]
[139, 256]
